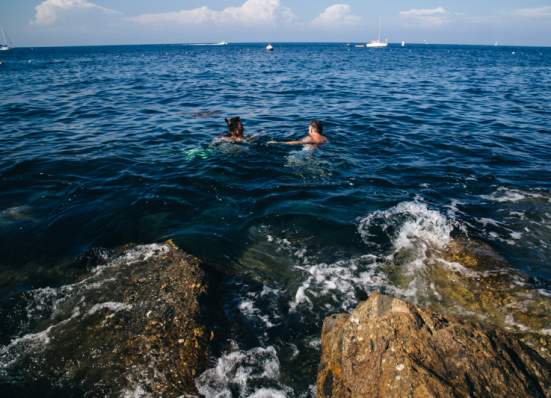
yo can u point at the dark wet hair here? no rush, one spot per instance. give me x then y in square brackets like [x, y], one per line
[234, 125]
[317, 125]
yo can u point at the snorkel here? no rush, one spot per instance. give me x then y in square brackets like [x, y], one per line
[235, 127]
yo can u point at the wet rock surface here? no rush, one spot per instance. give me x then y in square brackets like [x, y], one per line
[466, 278]
[389, 348]
[132, 327]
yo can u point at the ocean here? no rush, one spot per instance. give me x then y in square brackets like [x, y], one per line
[105, 146]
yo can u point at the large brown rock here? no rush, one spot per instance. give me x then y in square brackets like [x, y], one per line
[129, 328]
[389, 348]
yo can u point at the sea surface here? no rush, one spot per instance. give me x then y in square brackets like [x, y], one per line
[105, 146]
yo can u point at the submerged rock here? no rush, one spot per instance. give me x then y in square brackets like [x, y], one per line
[467, 278]
[389, 348]
[131, 328]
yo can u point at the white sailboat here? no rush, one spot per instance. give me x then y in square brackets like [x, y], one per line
[269, 47]
[377, 43]
[4, 43]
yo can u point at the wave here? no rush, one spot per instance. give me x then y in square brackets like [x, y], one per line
[409, 229]
[420, 254]
[409, 225]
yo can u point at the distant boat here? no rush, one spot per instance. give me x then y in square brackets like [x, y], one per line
[4, 44]
[377, 43]
[403, 43]
[269, 47]
[222, 43]
[496, 44]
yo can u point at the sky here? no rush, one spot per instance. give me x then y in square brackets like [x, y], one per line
[94, 22]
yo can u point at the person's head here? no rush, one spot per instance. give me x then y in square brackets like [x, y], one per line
[315, 126]
[235, 127]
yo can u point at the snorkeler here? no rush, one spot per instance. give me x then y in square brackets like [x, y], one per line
[235, 130]
[315, 136]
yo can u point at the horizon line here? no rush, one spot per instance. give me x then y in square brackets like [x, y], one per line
[280, 42]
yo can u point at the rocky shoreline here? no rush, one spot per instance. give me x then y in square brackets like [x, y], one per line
[389, 348]
[135, 326]
[132, 327]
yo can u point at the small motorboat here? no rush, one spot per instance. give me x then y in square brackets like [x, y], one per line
[269, 47]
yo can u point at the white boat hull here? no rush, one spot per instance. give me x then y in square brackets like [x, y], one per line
[4, 48]
[376, 45]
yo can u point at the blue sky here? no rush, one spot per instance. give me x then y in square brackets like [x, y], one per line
[75, 22]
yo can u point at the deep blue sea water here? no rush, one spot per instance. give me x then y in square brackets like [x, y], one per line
[103, 146]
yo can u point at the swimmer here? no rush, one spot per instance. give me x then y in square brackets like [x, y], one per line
[315, 136]
[235, 130]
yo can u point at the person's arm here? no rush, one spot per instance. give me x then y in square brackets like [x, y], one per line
[305, 140]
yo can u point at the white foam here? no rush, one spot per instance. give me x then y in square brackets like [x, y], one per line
[337, 281]
[136, 392]
[314, 343]
[411, 228]
[415, 223]
[109, 305]
[60, 305]
[268, 393]
[141, 253]
[504, 194]
[248, 308]
[243, 370]
[488, 221]
[459, 268]
[311, 393]
[30, 343]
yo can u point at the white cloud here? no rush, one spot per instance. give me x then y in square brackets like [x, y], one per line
[538, 12]
[251, 12]
[337, 15]
[47, 12]
[427, 16]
